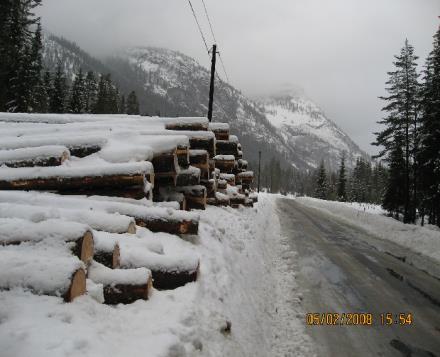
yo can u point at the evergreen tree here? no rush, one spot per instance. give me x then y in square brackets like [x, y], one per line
[58, 92]
[394, 198]
[19, 53]
[342, 180]
[402, 119]
[122, 106]
[430, 135]
[42, 93]
[77, 98]
[132, 104]
[321, 183]
[90, 91]
[107, 97]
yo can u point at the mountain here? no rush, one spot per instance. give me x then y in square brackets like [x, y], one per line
[169, 83]
[305, 126]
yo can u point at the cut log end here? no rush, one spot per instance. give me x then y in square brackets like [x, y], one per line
[77, 286]
[127, 294]
[87, 247]
[131, 228]
[116, 257]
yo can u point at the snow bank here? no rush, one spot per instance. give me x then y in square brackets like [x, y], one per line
[420, 240]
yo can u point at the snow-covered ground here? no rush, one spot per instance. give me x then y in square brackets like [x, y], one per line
[245, 303]
[423, 242]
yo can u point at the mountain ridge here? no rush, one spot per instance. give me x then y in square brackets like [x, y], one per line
[170, 83]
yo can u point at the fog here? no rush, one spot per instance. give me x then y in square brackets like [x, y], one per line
[337, 51]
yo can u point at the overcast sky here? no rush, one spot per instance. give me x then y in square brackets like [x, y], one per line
[338, 51]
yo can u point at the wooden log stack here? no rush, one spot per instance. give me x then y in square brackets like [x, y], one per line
[115, 193]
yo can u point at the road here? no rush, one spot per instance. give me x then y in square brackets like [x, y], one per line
[341, 271]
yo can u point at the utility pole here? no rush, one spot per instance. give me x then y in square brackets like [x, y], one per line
[211, 88]
[259, 169]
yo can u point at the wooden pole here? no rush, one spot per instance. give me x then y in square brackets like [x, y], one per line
[211, 88]
[259, 169]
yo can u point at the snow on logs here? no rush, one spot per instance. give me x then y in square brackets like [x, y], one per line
[221, 130]
[101, 221]
[200, 159]
[169, 271]
[156, 219]
[225, 163]
[79, 237]
[122, 286]
[77, 178]
[53, 155]
[195, 196]
[42, 269]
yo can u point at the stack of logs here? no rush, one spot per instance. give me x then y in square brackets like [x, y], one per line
[100, 209]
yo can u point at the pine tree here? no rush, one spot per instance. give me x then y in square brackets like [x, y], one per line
[58, 92]
[42, 93]
[321, 183]
[90, 91]
[430, 135]
[342, 181]
[132, 104]
[402, 119]
[18, 38]
[122, 106]
[77, 98]
[394, 197]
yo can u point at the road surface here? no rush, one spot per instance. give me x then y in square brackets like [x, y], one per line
[341, 271]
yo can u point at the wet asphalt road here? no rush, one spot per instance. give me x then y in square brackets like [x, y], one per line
[341, 271]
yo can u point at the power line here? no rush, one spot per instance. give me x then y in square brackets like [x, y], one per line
[198, 25]
[215, 40]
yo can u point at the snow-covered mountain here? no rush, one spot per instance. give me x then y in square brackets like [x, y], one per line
[169, 83]
[305, 126]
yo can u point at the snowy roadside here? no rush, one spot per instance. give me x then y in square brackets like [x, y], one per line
[243, 304]
[422, 243]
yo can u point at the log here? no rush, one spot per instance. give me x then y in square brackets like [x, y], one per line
[75, 178]
[182, 153]
[182, 126]
[195, 196]
[154, 218]
[188, 177]
[242, 164]
[200, 159]
[248, 202]
[122, 286]
[254, 197]
[211, 187]
[224, 147]
[225, 163]
[221, 130]
[203, 143]
[246, 177]
[168, 271]
[102, 221]
[229, 178]
[37, 156]
[222, 184]
[167, 194]
[108, 255]
[220, 200]
[165, 163]
[14, 231]
[44, 270]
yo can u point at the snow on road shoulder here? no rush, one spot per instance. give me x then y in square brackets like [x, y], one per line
[240, 305]
[424, 242]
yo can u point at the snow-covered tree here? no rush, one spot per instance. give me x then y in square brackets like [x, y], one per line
[77, 102]
[58, 92]
[342, 181]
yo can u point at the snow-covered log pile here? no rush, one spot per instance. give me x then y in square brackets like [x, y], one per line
[98, 194]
